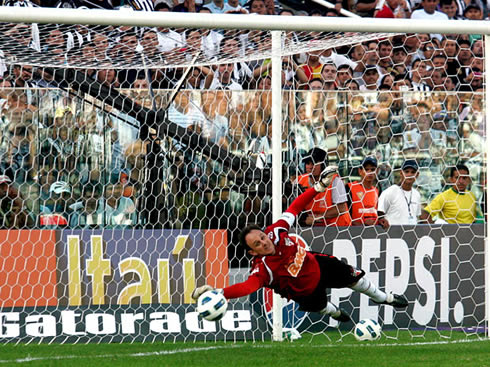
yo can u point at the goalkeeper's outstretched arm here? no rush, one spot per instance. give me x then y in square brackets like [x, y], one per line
[238, 290]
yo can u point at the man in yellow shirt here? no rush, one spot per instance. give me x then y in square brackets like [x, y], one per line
[456, 205]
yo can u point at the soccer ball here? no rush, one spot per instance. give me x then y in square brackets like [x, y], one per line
[212, 305]
[367, 329]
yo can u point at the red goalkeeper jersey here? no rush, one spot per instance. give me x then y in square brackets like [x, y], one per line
[292, 271]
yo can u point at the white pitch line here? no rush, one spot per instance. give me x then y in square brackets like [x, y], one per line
[199, 349]
[147, 354]
[374, 345]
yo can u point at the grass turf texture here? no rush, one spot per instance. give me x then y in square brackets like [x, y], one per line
[319, 350]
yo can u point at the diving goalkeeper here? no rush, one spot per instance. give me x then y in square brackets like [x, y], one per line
[282, 264]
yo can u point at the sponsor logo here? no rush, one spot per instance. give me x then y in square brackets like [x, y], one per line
[88, 323]
[292, 317]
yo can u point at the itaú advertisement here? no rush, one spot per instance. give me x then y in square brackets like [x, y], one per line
[117, 284]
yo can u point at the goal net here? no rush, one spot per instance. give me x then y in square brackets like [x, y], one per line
[131, 158]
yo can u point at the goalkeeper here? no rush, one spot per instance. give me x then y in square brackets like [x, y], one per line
[293, 272]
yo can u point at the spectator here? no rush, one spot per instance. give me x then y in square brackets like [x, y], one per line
[313, 66]
[301, 129]
[363, 195]
[455, 205]
[56, 213]
[316, 84]
[477, 48]
[385, 63]
[215, 126]
[400, 59]
[184, 113]
[370, 78]
[429, 12]
[401, 204]
[329, 76]
[119, 211]
[419, 75]
[351, 84]
[200, 77]
[257, 7]
[101, 48]
[125, 53]
[344, 73]
[329, 55]
[236, 7]
[22, 75]
[464, 60]
[364, 8]
[439, 62]
[450, 50]
[12, 212]
[87, 213]
[387, 82]
[329, 208]
[272, 7]
[224, 80]
[370, 57]
[230, 47]
[187, 6]
[150, 46]
[206, 41]
[388, 9]
[218, 6]
[108, 77]
[450, 8]
[472, 143]
[473, 12]
[169, 41]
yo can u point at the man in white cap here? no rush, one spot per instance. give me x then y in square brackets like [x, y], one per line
[401, 204]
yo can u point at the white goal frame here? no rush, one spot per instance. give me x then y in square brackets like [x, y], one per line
[276, 24]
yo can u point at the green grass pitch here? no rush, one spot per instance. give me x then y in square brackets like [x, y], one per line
[319, 350]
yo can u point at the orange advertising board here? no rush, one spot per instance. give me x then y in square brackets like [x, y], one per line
[27, 268]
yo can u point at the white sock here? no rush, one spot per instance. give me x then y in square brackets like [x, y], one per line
[365, 286]
[329, 309]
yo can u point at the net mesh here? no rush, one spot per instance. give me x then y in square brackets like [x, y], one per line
[119, 198]
[105, 47]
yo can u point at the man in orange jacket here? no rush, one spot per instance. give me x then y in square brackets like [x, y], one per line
[363, 195]
[329, 207]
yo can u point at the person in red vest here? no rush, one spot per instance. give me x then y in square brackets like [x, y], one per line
[329, 207]
[363, 195]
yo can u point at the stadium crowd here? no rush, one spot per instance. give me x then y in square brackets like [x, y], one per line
[67, 162]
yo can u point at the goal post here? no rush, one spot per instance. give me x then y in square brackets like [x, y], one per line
[157, 264]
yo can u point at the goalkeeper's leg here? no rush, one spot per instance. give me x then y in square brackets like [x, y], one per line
[335, 313]
[367, 287]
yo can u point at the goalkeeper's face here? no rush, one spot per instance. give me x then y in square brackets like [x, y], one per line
[259, 243]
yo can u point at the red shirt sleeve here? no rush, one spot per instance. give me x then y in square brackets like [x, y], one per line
[302, 201]
[245, 288]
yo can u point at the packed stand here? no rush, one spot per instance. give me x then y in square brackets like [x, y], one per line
[71, 162]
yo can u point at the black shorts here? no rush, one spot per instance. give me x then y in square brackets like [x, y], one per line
[334, 273]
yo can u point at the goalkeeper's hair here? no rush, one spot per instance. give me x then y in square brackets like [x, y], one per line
[245, 231]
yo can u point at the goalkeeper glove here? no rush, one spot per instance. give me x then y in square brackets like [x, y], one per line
[326, 178]
[196, 293]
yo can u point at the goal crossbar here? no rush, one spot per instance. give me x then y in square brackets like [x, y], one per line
[236, 21]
